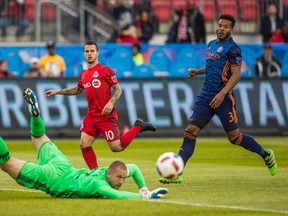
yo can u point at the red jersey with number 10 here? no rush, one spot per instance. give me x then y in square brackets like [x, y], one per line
[97, 82]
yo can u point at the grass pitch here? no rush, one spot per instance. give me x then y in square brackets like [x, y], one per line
[220, 179]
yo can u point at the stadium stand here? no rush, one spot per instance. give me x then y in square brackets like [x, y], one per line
[160, 61]
[121, 62]
[248, 10]
[161, 9]
[144, 70]
[227, 7]
[284, 70]
[179, 70]
[188, 57]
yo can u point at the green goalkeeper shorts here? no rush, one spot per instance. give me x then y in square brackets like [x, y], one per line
[52, 164]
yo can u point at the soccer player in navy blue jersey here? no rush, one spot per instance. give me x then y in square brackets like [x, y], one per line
[222, 73]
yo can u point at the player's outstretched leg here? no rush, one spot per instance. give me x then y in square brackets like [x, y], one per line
[31, 100]
[145, 126]
[177, 180]
[271, 163]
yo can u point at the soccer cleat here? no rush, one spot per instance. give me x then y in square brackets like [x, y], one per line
[271, 163]
[145, 126]
[177, 180]
[31, 100]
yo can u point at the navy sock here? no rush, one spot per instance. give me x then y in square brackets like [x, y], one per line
[188, 146]
[249, 143]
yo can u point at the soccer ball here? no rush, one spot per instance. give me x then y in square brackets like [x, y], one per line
[169, 165]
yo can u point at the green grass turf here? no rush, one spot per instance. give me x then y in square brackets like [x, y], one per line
[220, 179]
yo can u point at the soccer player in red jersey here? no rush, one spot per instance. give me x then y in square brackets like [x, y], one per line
[101, 117]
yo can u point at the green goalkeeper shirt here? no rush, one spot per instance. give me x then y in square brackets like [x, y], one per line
[55, 175]
[93, 184]
[80, 183]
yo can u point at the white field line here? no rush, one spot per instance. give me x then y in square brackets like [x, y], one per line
[222, 206]
[187, 203]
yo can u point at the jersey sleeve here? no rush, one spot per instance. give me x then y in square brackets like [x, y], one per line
[80, 84]
[111, 193]
[136, 174]
[111, 76]
[235, 56]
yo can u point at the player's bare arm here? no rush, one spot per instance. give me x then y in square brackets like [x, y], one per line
[115, 97]
[194, 72]
[234, 79]
[68, 91]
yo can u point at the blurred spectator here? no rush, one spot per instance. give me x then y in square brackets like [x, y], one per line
[145, 28]
[196, 24]
[172, 32]
[137, 55]
[34, 70]
[123, 18]
[52, 64]
[270, 23]
[285, 33]
[4, 73]
[267, 65]
[128, 36]
[188, 27]
[12, 12]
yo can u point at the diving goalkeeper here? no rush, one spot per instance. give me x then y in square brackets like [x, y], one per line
[55, 175]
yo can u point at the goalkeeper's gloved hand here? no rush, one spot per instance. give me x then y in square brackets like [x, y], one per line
[157, 193]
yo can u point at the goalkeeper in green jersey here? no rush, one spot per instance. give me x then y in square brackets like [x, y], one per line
[55, 175]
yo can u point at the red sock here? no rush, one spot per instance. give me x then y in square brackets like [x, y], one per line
[89, 157]
[127, 138]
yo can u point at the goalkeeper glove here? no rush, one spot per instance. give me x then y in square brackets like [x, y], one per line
[157, 193]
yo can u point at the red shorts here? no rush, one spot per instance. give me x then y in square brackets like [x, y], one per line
[107, 125]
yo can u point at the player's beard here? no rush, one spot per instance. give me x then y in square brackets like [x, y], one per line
[223, 38]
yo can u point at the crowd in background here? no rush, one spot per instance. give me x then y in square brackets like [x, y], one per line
[137, 25]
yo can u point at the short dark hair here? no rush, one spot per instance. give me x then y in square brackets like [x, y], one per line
[228, 17]
[117, 164]
[91, 43]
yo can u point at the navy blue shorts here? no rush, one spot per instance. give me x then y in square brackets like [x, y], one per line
[226, 111]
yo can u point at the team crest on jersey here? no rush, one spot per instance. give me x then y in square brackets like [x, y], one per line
[114, 78]
[96, 74]
[96, 83]
[220, 49]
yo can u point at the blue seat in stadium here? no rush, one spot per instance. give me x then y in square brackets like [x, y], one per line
[144, 70]
[284, 70]
[179, 70]
[160, 60]
[122, 63]
[188, 57]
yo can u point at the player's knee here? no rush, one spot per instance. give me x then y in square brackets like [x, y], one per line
[235, 138]
[116, 148]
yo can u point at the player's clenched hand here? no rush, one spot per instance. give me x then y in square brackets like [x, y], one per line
[50, 93]
[217, 100]
[107, 108]
[192, 72]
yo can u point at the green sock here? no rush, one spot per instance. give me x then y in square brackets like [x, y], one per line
[37, 126]
[4, 152]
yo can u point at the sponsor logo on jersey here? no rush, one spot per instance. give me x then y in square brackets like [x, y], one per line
[96, 83]
[87, 85]
[212, 56]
